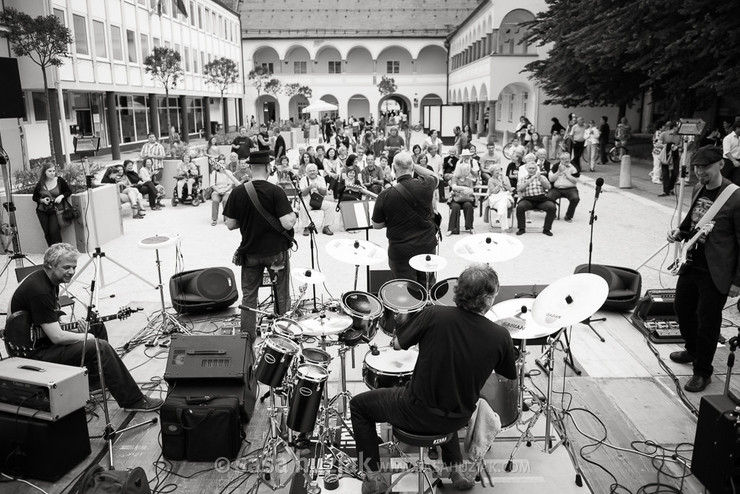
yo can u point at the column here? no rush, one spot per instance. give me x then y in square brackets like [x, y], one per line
[113, 128]
[491, 119]
[184, 125]
[225, 105]
[154, 115]
[479, 125]
[207, 117]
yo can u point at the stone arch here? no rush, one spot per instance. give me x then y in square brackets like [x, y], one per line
[516, 100]
[465, 97]
[267, 108]
[432, 59]
[296, 53]
[359, 60]
[483, 93]
[395, 53]
[295, 107]
[511, 32]
[326, 54]
[266, 55]
[359, 106]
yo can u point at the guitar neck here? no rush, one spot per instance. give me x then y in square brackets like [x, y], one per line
[69, 326]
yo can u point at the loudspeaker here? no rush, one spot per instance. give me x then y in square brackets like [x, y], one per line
[11, 97]
[40, 449]
[378, 279]
[203, 289]
[716, 456]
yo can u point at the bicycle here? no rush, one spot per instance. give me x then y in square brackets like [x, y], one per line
[616, 152]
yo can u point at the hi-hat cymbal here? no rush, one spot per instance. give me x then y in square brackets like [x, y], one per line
[306, 275]
[488, 247]
[516, 316]
[356, 252]
[570, 300]
[325, 324]
[428, 263]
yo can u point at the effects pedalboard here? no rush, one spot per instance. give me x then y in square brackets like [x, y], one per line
[656, 318]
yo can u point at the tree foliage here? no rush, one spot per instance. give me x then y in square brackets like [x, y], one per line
[295, 88]
[273, 87]
[608, 53]
[164, 65]
[222, 73]
[259, 77]
[387, 85]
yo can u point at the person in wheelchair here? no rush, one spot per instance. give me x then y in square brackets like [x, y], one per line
[187, 175]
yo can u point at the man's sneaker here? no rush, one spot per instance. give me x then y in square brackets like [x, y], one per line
[145, 404]
[463, 480]
[521, 231]
[697, 383]
[375, 483]
[682, 357]
[547, 232]
[327, 231]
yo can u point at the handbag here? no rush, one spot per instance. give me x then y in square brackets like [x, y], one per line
[69, 212]
[664, 157]
[207, 193]
[99, 481]
[316, 200]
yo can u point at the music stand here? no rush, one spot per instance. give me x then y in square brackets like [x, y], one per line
[356, 215]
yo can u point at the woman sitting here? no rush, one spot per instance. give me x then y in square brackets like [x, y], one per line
[222, 181]
[48, 194]
[146, 174]
[500, 199]
[126, 193]
[461, 197]
[144, 187]
[187, 174]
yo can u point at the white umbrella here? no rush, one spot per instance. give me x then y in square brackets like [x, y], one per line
[319, 106]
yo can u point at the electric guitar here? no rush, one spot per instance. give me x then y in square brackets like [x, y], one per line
[686, 248]
[361, 189]
[21, 334]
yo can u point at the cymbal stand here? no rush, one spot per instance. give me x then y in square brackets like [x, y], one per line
[312, 233]
[268, 457]
[169, 323]
[568, 359]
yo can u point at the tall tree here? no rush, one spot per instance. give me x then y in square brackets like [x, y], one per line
[273, 87]
[295, 88]
[44, 40]
[387, 85]
[165, 65]
[222, 73]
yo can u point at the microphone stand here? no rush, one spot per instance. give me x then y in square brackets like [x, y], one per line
[589, 320]
[311, 230]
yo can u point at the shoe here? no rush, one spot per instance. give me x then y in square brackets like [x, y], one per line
[673, 193]
[521, 231]
[462, 481]
[682, 357]
[305, 232]
[327, 231]
[138, 216]
[449, 233]
[375, 483]
[547, 232]
[569, 220]
[145, 404]
[432, 454]
[213, 223]
[592, 169]
[471, 231]
[657, 181]
[663, 195]
[155, 208]
[159, 203]
[697, 383]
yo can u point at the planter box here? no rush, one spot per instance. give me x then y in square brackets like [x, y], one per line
[297, 137]
[288, 136]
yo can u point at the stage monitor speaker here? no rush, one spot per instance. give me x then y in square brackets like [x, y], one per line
[716, 457]
[378, 278]
[11, 97]
[203, 289]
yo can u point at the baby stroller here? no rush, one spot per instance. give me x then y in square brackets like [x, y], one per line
[194, 196]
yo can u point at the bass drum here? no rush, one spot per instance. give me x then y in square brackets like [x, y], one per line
[389, 368]
[503, 396]
[443, 291]
[402, 300]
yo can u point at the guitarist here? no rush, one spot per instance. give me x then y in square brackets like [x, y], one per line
[38, 295]
[714, 271]
[408, 216]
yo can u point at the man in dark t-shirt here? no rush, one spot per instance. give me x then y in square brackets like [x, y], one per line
[262, 246]
[38, 295]
[409, 231]
[459, 348]
[242, 144]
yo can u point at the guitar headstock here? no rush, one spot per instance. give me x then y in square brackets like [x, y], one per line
[124, 312]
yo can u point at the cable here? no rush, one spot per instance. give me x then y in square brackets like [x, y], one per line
[14, 479]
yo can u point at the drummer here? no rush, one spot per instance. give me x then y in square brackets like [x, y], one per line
[458, 349]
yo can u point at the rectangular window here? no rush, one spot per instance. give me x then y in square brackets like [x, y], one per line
[208, 20]
[142, 2]
[203, 59]
[144, 46]
[115, 37]
[191, 14]
[80, 32]
[335, 66]
[178, 49]
[155, 42]
[101, 50]
[195, 61]
[221, 26]
[131, 45]
[200, 17]
[392, 67]
[269, 66]
[59, 14]
[39, 106]
[166, 44]
[187, 59]
[300, 67]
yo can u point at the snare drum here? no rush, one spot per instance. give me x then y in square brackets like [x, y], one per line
[315, 356]
[390, 368]
[287, 328]
[306, 397]
[443, 291]
[365, 310]
[402, 300]
[276, 355]
[503, 396]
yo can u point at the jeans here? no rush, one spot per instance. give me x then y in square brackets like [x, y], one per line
[698, 305]
[525, 205]
[392, 405]
[252, 269]
[216, 199]
[50, 226]
[570, 193]
[578, 147]
[454, 224]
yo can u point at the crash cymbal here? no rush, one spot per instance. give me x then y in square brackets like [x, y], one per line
[325, 324]
[356, 252]
[488, 247]
[306, 275]
[428, 263]
[570, 300]
[516, 316]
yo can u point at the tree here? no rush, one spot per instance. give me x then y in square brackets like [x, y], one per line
[164, 65]
[222, 73]
[259, 77]
[294, 89]
[44, 40]
[387, 85]
[273, 87]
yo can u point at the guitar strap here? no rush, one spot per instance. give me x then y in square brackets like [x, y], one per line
[716, 206]
[415, 206]
[274, 222]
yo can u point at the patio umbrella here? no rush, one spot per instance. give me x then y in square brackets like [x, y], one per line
[319, 106]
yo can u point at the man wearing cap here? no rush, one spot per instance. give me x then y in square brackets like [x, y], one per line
[713, 272]
[266, 238]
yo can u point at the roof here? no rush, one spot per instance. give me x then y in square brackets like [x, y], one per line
[352, 19]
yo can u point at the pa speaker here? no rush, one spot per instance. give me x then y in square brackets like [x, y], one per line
[11, 97]
[716, 458]
[203, 289]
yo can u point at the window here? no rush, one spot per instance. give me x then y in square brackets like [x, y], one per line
[191, 14]
[269, 66]
[187, 59]
[335, 67]
[101, 50]
[300, 67]
[39, 106]
[195, 61]
[200, 17]
[155, 42]
[80, 31]
[115, 37]
[178, 49]
[208, 20]
[392, 67]
[131, 45]
[166, 44]
[144, 46]
[59, 14]
[203, 59]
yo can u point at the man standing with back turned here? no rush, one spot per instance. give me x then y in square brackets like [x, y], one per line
[713, 273]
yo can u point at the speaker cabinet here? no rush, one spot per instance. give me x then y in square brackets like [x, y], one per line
[203, 289]
[716, 456]
[11, 97]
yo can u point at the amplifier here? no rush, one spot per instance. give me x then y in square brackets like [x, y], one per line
[42, 390]
[656, 318]
[656, 303]
[716, 457]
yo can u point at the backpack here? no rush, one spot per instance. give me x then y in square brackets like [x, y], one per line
[100, 481]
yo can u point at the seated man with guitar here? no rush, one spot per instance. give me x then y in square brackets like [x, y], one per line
[710, 272]
[41, 337]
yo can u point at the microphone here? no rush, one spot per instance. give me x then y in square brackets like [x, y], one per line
[599, 183]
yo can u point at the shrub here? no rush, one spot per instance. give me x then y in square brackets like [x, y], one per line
[72, 173]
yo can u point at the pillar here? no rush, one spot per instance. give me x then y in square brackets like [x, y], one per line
[225, 107]
[207, 117]
[182, 101]
[481, 111]
[114, 130]
[154, 115]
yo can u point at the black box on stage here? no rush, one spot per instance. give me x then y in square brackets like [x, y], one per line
[200, 428]
[213, 365]
[656, 303]
[41, 449]
[716, 457]
[378, 278]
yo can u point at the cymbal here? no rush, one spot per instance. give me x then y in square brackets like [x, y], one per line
[356, 252]
[306, 275]
[488, 247]
[325, 324]
[428, 263]
[570, 300]
[516, 316]
[159, 241]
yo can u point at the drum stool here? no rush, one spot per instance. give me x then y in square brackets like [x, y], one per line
[423, 442]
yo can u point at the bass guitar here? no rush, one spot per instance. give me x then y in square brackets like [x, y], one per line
[21, 335]
[362, 190]
[686, 248]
